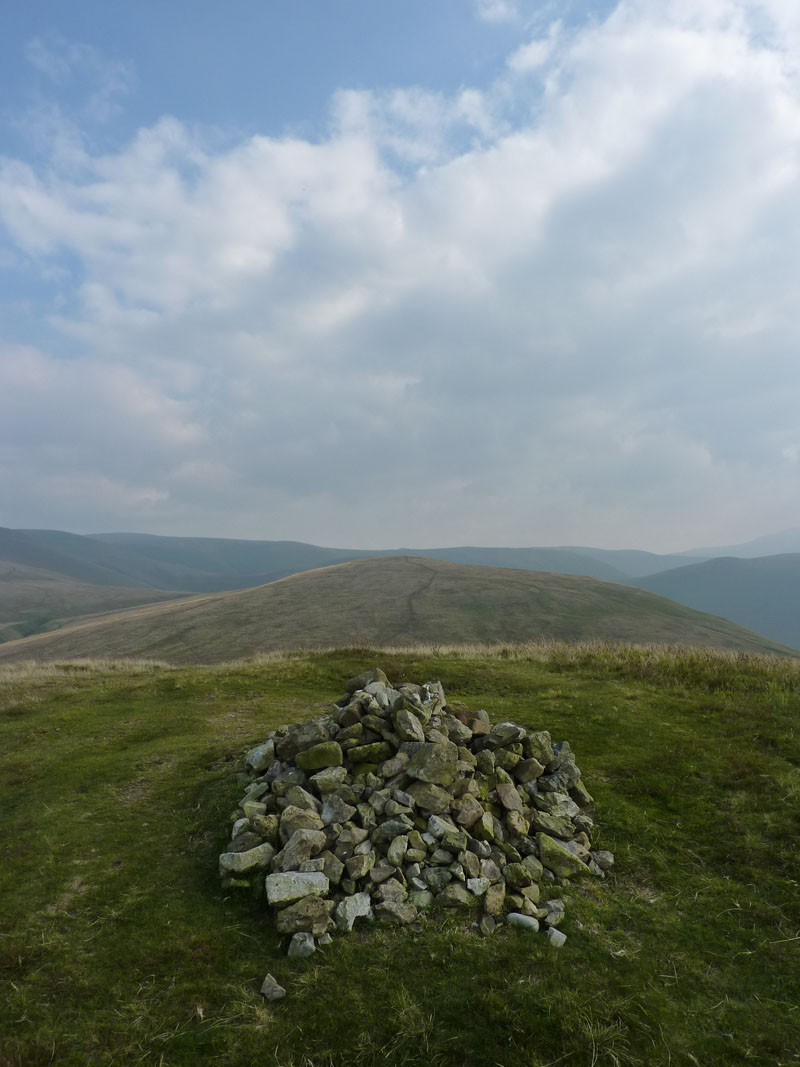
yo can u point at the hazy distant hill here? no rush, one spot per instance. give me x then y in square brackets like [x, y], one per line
[783, 543]
[395, 600]
[762, 594]
[631, 562]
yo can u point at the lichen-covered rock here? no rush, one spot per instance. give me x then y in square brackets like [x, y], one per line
[555, 855]
[434, 762]
[325, 754]
[237, 864]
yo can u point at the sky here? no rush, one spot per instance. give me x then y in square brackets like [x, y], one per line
[408, 273]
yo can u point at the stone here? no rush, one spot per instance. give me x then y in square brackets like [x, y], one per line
[421, 899]
[302, 845]
[397, 850]
[434, 762]
[494, 899]
[430, 797]
[555, 912]
[505, 733]
[302, 946]
[408, 726]
[361, 681]
[329, 779]
[375, 752]
[522, 922]
[390, 890]
[549, 824]
[487, 924]
[455, 895]
[325, 754]
[517, 875]
[301, 798]
[396, 911]
[293, 819]
[555, 937]
[236, 864]
[467, 810]
[539, 745]
[603, 859]
[260, 757]
[528, 770]
[358, 906]
[509, 797]
[271, 990]
[436, 878]
[285, 888]
[555, 855]
[359, 866]
[478, 886]
[310, 913]
[334, 810]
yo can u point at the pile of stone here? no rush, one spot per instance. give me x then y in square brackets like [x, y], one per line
[393, 801]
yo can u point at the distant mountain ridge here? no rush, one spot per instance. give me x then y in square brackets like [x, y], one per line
[129, 569]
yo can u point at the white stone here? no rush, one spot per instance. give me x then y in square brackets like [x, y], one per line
[255, 859]
[358, 906]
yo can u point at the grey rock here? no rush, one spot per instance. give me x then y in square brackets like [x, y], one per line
[478, 886]
[237, 864]
[287, 887]
[434, 762]
[523, 922]
[555, 937]
[334, 809]
[357, 906]
[271, 990]
[260, 757]
[302, 946]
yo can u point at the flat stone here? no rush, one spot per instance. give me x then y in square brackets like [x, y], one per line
[396, 911]
[325, 754]
[236, 864]
[509, 797]
[430, 797]
[302, 946]
[555, 855]
[434, 762]
[271, 990]
[376, 752]
[329, 779]
[287, 887]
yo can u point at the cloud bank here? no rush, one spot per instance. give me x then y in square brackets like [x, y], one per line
[559, 308]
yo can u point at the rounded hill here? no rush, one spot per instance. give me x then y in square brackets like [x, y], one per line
[399, 600]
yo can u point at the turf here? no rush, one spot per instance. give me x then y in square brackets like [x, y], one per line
[120, 948]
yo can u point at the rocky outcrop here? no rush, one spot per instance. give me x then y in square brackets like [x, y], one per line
[393, 802]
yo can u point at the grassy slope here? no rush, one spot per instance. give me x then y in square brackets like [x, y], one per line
[758, 593]
[398, 600]
[33, 600]
[119, 948]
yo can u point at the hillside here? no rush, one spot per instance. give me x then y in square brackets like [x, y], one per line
[396, 600]
[762, 594]
[119, 946]
[33, 600]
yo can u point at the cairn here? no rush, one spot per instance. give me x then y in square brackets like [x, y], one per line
[393, 801]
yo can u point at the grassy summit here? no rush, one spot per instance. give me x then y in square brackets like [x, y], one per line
[117, 945]
[394, 600]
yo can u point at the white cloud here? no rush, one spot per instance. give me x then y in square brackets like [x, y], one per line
[558, 308]
[496, 10]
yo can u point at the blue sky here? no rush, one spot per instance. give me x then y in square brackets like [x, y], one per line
[360, 273]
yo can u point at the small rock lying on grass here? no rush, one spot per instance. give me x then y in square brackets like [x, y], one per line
[393, 801]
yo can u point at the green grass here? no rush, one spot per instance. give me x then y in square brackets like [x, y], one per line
[118, 946]
[401, 600]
